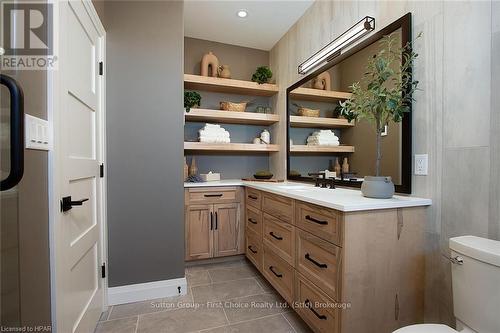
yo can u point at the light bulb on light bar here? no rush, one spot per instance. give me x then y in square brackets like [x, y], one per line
[357, 31]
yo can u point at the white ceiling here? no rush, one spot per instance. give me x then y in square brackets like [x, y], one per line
[266, 23]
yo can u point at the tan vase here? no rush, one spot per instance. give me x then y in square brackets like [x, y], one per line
[193, 169]
[322, 81]
[345, 166]
[209, 61]
[224, 72]
[337, 167]
[186, 169]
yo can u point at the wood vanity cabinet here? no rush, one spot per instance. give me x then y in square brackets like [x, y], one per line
[365, 268]
[213, 226]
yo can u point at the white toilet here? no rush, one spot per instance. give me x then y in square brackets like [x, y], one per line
[475, 276]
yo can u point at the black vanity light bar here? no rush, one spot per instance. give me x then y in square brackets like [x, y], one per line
[333, 49]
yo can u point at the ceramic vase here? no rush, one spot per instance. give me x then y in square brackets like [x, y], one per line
[224, 72]
[322, 81]
[209, 61]
[193, 169]
[345, 165]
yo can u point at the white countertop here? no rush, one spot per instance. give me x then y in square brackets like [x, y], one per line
[346, 200]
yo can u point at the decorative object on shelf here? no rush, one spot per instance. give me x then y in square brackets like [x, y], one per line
[212, 133]
[194, 179]
[260, 109]
[323, 138]
[193, 168]
[376, 101]
[322, 82]
[294, 174]
[256, 141]
[345, 166]
[192, 99]
[262, 75]
[210, 176]
[337, 168]
[306, 112]
[265, 137]
[332, 50]
[186, 169]
[224, 72]
[231, 106]
[268, 110]
[263, 174]
[209, 61]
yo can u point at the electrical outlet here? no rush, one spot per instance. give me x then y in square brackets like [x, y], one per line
[421, 164]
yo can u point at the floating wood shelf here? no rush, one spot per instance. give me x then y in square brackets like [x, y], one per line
[319, 122]
[216, 84]
[231, 117]
[317, 95]
[321, 149]
[230, 147]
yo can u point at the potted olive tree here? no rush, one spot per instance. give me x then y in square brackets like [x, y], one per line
[384, 94]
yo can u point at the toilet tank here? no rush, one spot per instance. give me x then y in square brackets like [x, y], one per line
[476, 282]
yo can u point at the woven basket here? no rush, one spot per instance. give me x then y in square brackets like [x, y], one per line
[230, 106]
[305, 112]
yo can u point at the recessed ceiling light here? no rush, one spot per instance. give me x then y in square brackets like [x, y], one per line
[242, 13]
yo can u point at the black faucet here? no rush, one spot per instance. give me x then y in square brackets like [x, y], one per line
[321, 180]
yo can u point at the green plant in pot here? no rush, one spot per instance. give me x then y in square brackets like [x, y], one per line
[262, 75]
[384, 94]
[192, 99]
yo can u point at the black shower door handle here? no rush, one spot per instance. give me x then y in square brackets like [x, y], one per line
[16, 133]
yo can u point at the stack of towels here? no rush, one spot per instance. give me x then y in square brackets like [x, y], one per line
[211, 133]
[323, 138]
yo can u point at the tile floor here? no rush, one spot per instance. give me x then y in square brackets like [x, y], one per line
[222, 298]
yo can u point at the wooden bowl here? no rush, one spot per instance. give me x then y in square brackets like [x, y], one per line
[263, 177]
[306, 112]
[230, 106]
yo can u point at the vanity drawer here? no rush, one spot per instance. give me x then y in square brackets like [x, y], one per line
[253, 220]
[253, 198]
[212, 195]
[278, 273]
[315, 307]
[278, 206]
[322, 222]
[254, 249]
[280, 237]
[320, 261]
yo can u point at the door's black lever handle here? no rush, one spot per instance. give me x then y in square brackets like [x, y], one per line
[67, 203]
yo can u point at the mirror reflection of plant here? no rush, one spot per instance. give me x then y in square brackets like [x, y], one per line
[191, 99]
[385, 91]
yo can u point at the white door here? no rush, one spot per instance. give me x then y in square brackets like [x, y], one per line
[79, 239]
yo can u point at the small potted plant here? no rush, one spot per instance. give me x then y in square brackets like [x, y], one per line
[192, 99]
[383, 95]
[262, 75]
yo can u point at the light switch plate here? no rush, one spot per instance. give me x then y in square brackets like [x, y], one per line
[38, 133]
[421, 164]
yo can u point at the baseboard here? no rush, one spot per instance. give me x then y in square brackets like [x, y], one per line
[146, 291]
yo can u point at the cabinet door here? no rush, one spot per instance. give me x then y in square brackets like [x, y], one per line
[227, 226]
[199, 232]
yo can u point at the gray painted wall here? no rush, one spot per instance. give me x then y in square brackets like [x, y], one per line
[144, 140]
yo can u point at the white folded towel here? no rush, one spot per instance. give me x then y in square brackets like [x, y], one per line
[212, 133]
[323, 138]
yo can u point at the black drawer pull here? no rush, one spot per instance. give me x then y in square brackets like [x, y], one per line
[312, 219]
[250, 248]
[276, 237]
[308, 305]
[213, 195]
[271, 268]
[253, 197]
[252, 221]
[211, 221]
[308, 257]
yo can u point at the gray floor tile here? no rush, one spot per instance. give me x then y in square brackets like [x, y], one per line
[264, 284]
[253, 307]
[197, 277]
[156, 305]
[126, 325]
[232, 273]
[297, 323]
[105, 314]
[182, 320]
[226, 290]
[274, 324]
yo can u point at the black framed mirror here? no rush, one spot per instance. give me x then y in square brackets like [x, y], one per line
[319, 139]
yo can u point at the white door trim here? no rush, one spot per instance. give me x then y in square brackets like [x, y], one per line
[147, 291]
[54, 89]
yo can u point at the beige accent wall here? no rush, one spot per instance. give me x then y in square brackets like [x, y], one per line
[455, 117]
[243, 61]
